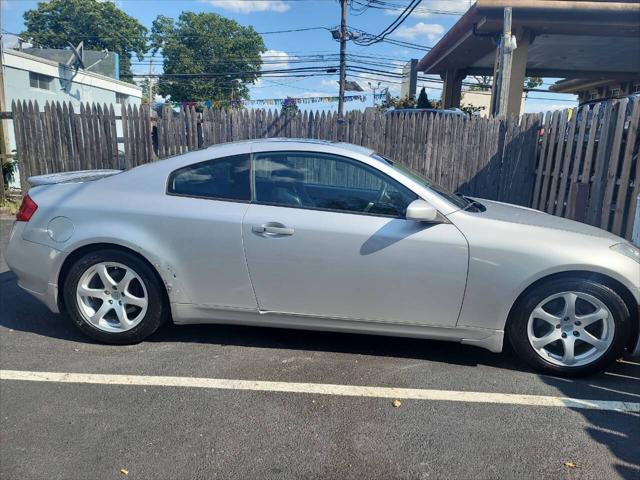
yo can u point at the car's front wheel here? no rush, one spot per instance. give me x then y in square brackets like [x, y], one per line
[114, 297]
[569, 327]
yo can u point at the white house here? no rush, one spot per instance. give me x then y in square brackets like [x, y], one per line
[30, 77]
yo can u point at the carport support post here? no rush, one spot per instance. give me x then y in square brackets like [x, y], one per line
[452, 89]
[515, 86]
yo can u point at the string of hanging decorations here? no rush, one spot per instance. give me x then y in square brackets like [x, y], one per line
[272, 101]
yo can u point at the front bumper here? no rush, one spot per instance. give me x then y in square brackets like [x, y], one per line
[35, 265]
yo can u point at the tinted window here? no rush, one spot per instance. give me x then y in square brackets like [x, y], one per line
[327, 182]
[457, 200]
[223, 178]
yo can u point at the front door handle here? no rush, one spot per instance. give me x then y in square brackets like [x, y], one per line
[272, 228]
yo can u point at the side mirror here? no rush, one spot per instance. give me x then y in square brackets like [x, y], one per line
[421, 211]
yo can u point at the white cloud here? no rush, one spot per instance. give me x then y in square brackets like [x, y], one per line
[420, 29]
[311, 94]
[275, 60]
[326, 83]
[531, 106]
[426, 10]
[249, 6]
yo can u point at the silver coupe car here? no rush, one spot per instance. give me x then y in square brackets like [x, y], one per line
[322, 236]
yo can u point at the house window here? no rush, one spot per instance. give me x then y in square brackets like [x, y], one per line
[37, 80]
[635, 88]
[121, 98]
[614, 92]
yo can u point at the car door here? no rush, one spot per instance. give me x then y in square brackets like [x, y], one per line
[326, 236]
[202, 228]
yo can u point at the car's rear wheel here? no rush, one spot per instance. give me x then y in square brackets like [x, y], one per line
[114, 297]
[569, 327]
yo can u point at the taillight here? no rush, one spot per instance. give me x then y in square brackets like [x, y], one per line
[27, 208]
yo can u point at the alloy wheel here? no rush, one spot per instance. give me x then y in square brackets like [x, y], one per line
[112, 297]
[571, 329]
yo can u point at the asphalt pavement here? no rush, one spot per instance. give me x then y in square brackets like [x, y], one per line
[87, 430]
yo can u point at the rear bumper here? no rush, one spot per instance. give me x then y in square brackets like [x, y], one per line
[35, 265]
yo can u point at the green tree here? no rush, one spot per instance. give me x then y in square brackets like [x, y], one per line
[483, 82]
[470, 109]
[207, 43]
[423, 100]
[397, 102]
[532, 82]
[99, 24]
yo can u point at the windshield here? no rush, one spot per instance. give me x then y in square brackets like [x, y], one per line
[457, 200]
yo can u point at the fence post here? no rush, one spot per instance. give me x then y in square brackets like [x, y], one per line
[603, 154]
[635, 236]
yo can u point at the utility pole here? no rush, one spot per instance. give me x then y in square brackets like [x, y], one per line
[343, 57]
[502, 78]
[5, 148]
[374, 88]
[150, 83]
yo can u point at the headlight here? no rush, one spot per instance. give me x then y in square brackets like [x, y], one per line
[627, 250]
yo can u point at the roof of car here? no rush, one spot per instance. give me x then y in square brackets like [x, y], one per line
[306, 141]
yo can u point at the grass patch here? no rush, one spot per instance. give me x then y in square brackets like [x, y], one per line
[9, 206]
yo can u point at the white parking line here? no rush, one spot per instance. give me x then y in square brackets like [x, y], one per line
[322, 389]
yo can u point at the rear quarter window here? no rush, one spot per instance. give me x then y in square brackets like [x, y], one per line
[222, 178]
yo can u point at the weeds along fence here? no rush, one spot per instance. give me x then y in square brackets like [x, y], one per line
[581, 164]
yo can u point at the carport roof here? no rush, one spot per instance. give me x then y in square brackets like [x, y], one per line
[575, 39]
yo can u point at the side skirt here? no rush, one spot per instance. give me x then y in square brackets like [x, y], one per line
[186, 314]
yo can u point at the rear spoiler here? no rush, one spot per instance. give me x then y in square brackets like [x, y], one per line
[71, 177]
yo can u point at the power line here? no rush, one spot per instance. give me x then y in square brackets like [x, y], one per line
[293, 30]
[388, 6]
[367, 41]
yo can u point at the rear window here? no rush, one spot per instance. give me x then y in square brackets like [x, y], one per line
[223, 178]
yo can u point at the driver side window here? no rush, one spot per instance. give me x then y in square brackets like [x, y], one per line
[327, 182]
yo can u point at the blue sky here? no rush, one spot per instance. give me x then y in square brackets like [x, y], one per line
[423, 27]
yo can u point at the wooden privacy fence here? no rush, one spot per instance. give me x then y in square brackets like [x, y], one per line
[59, 139]
[580, 164]
[587, 167]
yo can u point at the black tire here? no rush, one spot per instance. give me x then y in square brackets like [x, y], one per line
[156, 309]
[517, 325]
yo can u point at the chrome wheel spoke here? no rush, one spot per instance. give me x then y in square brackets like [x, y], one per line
[568, 357]
[597, 343]
[129, 299]
[599, 314]
[101, 312]
[541, 342]
[123, 285]
[103, 273]
[85, 291]
[546, 316]
[121, 313]
[569, 305]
